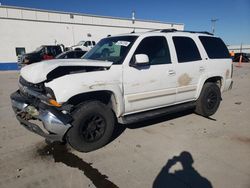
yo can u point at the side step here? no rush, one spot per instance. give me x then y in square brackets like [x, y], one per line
[155, 113]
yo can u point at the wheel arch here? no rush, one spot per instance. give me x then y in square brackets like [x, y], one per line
[218, 80]
[105, 96]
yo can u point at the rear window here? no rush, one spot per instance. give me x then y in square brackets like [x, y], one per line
[215, 47]
[186, 49]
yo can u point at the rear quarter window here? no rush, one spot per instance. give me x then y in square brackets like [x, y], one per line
[215, 47]
[186, 49]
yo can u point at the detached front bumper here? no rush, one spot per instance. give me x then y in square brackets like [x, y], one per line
[55, 122]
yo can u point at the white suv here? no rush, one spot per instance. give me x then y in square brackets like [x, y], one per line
[123, 79]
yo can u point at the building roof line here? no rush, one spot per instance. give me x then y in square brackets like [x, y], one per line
[82, 14]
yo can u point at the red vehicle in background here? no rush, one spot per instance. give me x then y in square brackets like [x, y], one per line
[44, 52]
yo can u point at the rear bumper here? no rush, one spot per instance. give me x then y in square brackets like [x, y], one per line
[55, 122]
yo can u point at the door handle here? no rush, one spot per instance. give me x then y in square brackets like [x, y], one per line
[171, 72]
[202, 69]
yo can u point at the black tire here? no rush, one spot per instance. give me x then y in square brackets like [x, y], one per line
[209, 100]
[92, 127]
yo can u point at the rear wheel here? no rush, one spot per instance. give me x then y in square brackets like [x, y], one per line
[209, 100]
[92, 127]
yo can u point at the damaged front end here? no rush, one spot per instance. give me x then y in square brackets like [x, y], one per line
[35, 102]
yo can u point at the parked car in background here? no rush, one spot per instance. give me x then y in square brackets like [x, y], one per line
[245, 57]
[72, 54]
[84, 45]
[44, 52]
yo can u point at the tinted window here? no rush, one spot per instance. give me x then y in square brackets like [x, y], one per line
[156, 48]
[70, 55]
[58, 50]
[186, 49]
[215, 47]
[20, 51]
[79, 54]
[87, 43]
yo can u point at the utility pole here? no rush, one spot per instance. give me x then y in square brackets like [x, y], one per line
[213, 21]
[133, 19]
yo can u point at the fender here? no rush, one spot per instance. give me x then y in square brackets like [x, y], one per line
[204, 78]
[68, 86]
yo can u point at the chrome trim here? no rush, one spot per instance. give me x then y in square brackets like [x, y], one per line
[50, 122]
[19, 105]
[53, 124]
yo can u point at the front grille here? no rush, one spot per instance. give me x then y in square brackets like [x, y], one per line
[35, 87]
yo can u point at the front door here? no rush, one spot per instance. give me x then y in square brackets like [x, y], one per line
[151, 86]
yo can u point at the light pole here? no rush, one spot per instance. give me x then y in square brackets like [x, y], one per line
[133, 19]
[213, 21]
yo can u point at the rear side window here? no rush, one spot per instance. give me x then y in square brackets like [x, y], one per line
[215, 47]
[186, 49]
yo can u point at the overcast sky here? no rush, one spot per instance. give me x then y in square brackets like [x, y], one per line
[234, 15]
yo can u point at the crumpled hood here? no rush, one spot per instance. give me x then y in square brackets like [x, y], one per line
[37, 72]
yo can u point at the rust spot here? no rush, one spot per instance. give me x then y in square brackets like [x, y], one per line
[184, 79]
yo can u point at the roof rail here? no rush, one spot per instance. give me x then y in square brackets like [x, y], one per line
[202, 32]
[175, 30]
[168, 30]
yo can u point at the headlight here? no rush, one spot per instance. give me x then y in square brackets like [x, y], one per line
[50, 93]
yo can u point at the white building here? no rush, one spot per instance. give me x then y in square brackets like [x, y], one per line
[29, 28]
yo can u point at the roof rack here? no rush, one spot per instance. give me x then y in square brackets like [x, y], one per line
[175, 30]
[202, 32]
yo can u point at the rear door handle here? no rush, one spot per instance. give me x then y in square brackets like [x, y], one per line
[171, 72]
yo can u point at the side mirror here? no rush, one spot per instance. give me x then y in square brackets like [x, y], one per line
[141, 59]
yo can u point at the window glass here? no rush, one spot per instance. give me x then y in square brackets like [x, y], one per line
[20, 51]
[58, 50]
[87, 43]
[112, 49]
[186, 49]
[215, 47]
[156, 48]
[71, 55]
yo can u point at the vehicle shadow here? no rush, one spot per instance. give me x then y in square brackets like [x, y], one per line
[187, 177]
[149, 122]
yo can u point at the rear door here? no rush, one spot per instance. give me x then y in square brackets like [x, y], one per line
[189, 67]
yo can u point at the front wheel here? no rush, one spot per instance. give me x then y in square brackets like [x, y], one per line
[209, 100]
[92, 127]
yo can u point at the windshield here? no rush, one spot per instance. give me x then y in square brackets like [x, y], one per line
[112, 49]
[38, 49]
[81, 42]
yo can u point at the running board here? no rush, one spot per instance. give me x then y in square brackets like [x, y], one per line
[155, 113]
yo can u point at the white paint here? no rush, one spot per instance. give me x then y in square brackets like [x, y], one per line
[40, 70]
[137, 89]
